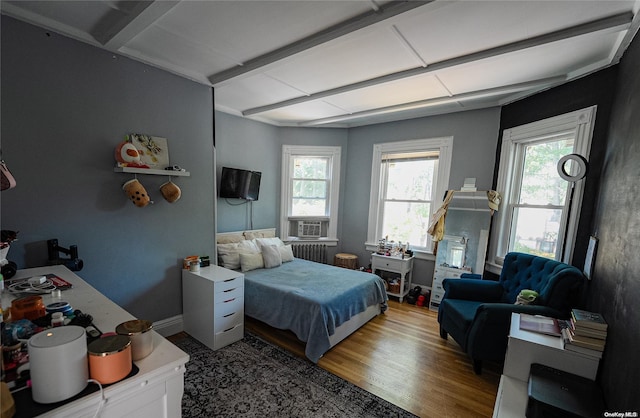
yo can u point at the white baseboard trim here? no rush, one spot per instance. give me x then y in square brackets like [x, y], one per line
[169, 326]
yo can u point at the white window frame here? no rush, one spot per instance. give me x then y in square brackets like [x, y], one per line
[289, 152]
[581, 122]
[444, 146]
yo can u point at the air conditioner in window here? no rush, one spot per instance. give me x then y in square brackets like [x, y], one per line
[309, 229]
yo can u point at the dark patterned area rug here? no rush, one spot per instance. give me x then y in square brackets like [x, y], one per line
[253, 378]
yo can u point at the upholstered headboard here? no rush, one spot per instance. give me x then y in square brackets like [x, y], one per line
[237, 236]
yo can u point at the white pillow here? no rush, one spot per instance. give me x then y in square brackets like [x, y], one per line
[269, 241]
[271, 256]
[286, 252]
[251, 261]
[229, 252]
[249, 246]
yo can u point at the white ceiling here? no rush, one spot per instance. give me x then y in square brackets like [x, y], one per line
[351, 63]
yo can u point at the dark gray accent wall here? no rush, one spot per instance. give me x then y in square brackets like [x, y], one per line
[65, 107]
[615, 288]
[609, 211]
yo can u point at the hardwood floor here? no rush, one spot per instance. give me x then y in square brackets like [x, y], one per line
[400, 357]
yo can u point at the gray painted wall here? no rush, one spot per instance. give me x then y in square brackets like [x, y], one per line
[65, 106]
[474, 137]
[252, 145]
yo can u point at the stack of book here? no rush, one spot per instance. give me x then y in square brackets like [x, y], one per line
[585, 332]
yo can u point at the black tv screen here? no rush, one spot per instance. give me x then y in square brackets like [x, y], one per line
[236, 183]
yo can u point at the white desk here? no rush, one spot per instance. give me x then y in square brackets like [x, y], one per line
[155, 391]
[525, 348]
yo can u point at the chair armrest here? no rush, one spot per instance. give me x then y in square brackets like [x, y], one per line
[494, 311]
[488, 334]
[473, 289]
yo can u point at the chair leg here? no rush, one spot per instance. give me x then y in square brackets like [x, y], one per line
[477, 366]
[443, 333]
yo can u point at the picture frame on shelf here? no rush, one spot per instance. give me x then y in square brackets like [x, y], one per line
[153, 150]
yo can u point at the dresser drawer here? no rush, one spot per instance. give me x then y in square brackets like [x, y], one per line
[229, 294]
[228, 336]
[389, 264]
[446, 273]
[436, 296]
[228, 314]
[437, 284]
[225, 285]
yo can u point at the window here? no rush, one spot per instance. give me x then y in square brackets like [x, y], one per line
[310, 187]
[408, 182]
[540, 211]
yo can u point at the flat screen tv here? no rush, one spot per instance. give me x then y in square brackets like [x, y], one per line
[236, 183]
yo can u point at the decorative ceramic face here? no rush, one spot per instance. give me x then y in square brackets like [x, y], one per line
[127, 153]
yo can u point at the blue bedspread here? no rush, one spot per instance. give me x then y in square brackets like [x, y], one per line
[310, 299]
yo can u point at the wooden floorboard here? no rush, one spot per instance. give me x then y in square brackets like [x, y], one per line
[400, 357]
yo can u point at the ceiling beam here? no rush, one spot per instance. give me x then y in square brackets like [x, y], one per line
[143, 15]
[480, 94]
[361, 21]
[621, 20]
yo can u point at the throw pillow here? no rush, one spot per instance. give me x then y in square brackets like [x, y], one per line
[286, 252]
[269, 241]
[251, 261]
[271, 256]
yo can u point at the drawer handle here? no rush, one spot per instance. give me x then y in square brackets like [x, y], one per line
[229, 329]
[230, 280]
[229, 290]
[228, 315]
[230, 300]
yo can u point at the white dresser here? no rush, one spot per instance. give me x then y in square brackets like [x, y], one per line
[213, 305]
[154, 391]
[437, 291]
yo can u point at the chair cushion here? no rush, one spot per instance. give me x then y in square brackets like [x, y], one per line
[460, 312]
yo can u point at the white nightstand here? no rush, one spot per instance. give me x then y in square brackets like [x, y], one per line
[399, 265]
[213, 305]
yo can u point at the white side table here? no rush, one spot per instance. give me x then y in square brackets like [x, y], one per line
[525, 348]
[403, 266]
[437, 290]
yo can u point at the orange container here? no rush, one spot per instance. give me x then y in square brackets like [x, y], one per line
[110, 358]
[29, 307]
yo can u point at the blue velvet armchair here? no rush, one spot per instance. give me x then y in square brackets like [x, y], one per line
[477, 313]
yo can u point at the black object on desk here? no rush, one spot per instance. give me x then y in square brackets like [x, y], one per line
[555, 393]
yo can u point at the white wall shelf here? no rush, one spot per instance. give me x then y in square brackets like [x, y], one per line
[153, 171]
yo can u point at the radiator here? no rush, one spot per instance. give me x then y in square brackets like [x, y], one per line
[311, 252]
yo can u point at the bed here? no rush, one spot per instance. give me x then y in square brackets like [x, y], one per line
[319, 303]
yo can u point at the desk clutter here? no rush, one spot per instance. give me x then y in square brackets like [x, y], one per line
[54, 351]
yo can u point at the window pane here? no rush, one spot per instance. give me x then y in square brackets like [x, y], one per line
[410, 180]
[308, 207]
[310, 188]
[541, 184]
[310, 167]
[536, 231]
[406, 222]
